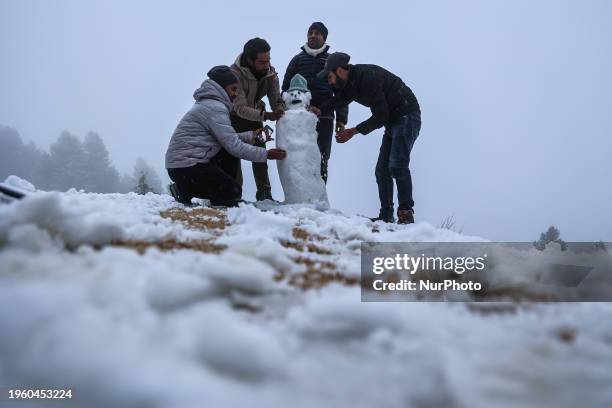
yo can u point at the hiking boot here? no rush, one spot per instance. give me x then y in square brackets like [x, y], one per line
[388, 220]
[174, 191]
[221, 204]
[405, 216]
[264, 195]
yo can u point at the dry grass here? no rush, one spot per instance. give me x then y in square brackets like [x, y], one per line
[198, 218]
[206, 219]
[319, 274]
[171, 244]
[303, 235]
[303, 241]
[567, 334]
[319, 271]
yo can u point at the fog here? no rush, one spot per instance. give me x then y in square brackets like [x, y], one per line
[515, 95]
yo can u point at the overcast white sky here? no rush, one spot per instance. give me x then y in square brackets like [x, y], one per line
[516, 95]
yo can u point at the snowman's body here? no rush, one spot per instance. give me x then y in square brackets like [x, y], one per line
[300, 172]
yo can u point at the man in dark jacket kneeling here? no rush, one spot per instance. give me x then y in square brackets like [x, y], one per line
[393, 106]
[204, 154]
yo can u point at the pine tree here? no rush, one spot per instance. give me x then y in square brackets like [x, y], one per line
[11, 153]
[68, 163]
[142, 187]
[552, 234]
[100, 175]
[148, 180]
[32, 156]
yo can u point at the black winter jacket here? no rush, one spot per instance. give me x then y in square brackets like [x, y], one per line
[309, 66]
[384, 93]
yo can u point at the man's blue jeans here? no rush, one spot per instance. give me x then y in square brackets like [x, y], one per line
[393, 161]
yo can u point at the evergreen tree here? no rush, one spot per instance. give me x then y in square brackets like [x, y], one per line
[148, 180]
[33, 158]
[68, 163]
[100, 175]
[551, 235]
[11, 153]
[127, 183]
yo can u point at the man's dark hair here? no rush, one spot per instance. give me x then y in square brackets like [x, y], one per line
[255, 46]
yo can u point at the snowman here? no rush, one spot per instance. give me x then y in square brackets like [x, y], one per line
[300, 172]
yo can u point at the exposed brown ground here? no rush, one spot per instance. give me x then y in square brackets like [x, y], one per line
[171, 244]
[198, 218]
[318, 273]
[320, 268]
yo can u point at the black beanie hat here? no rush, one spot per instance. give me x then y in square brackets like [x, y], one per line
[222, 75]
[320, 27]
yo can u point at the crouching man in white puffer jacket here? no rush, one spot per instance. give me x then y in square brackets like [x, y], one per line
[204, 152]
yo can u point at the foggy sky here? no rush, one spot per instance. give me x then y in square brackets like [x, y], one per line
[516, 96]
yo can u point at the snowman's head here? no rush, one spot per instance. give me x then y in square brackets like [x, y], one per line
[296, 99]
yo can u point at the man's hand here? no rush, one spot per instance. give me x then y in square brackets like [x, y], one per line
[262, 136]
[345, 135]
[340, 126]
[276, 115]
[276, 154]
[314, 110]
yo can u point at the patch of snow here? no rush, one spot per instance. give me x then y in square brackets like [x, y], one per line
[19, 183]
[186, 328]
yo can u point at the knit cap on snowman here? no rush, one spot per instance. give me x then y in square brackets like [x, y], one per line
[298, 83]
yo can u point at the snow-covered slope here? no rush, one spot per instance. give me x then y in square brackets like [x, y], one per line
[134, 301]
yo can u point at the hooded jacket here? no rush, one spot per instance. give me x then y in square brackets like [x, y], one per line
[206, 128]
[309, 64]
[248, 104]
[384, 93]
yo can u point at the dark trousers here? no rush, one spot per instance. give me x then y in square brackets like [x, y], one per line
[215, 180]
[393, 161]
[260, 170]
[325, 130]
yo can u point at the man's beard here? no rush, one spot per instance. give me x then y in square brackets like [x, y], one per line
[340, 83]
[314, 44]
[258, 73]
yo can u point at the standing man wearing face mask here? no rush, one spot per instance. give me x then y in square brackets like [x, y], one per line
[257, 79]
[393, 106]
[309, 63]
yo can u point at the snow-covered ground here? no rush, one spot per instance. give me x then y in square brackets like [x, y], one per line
[133, 301]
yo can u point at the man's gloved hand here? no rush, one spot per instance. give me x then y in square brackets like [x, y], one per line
[276, 154]
[276, 115]
[340, 126]
[314, 110]
[345, 135]
[262, 136]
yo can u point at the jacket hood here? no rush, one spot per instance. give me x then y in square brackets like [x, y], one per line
[247, 72]
[212, 90]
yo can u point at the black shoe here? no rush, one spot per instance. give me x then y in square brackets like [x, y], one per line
[405, 216]
[226, 203]
[264, 195]
[174, 191]
[388, 220]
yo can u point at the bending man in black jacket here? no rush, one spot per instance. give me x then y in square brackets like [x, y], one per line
[393, 106]
[309, 63]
